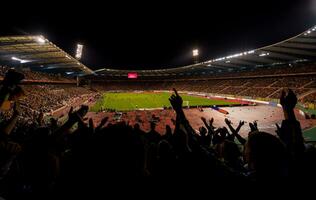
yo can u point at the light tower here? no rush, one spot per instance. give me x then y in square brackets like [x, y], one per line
[79, 51]
[195, 53]
[78, 57]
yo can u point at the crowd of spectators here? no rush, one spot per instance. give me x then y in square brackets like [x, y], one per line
[250, 83]
[52, 157]
[37, 76]
[38, 99]
[47, 98]
[250, 87]
[46, 159]
[310, 98]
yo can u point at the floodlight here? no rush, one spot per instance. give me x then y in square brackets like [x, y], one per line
[20, 60]
[195, 52]
[79, 51]
[40, 39]
[15, 58]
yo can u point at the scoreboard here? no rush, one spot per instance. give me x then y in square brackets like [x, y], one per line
[132, 75]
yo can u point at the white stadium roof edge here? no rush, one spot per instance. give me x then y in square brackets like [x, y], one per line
[300, 48]
[38, 53]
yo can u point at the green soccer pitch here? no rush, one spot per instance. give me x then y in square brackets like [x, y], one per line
[126, 101]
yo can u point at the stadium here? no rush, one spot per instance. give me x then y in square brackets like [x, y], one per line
[164, 122]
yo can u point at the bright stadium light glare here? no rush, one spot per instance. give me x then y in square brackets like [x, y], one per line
[15, 58]
[250, 52]
[195, 52]
[308, 32]
[20, 60]
[40, 39]
[79, 51]
[264, 54]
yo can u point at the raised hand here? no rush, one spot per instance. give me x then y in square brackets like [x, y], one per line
[83, 110]
[253, 126]
[209, 125]
[227, 121]
[103, 122]
[288, 101]
[202, 131]
[241, 123]
[211, 122]
[176, 101]
[77, 115]
[72, 116]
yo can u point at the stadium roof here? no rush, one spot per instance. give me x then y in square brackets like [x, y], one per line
[300, 48]
[38, 54]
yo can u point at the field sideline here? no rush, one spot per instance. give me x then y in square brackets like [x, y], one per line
[126, 101]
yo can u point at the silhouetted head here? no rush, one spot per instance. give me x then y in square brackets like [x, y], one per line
[164, 149]
[136, 126]
[230, 151]
[152, 125]
[265, 154]
[168, 129]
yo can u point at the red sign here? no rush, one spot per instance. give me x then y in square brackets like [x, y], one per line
[132, 75]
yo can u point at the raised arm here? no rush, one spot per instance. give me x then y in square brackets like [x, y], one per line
[290, 131]
[73, 117]
[181, 120]
[236, 131]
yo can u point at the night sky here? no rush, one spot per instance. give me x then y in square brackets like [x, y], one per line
[159, 34]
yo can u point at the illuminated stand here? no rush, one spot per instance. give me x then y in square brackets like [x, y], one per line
[39, 39]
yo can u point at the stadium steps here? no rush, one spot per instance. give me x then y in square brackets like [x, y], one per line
[247, 84]
[245, 89]
[307, 84]
[273, 83]
[219, 91]
[277, 91]
[306, 93]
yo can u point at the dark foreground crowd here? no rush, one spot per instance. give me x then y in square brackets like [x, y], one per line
[50, 159]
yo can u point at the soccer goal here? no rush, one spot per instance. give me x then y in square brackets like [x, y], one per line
[186, 104]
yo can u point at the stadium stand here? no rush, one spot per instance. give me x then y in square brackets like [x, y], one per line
[73, 154]
[40, 158]
[245, 85]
